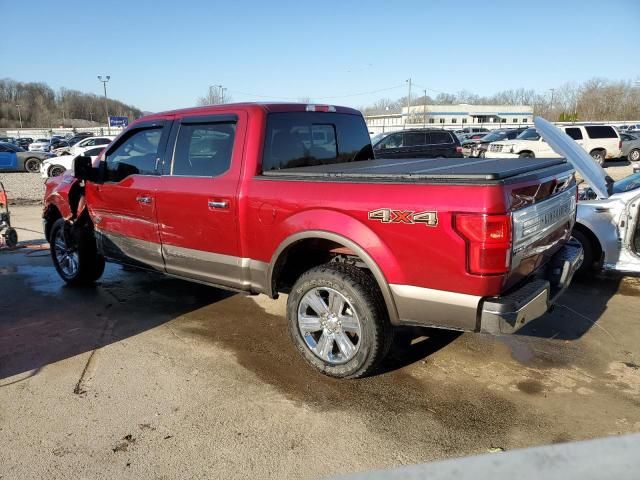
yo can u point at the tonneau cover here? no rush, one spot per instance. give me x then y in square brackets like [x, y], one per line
[422, 168]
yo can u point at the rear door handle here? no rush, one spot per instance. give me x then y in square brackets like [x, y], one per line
[218, 204]
[144, 199]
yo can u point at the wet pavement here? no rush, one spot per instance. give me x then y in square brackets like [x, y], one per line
[145, 376]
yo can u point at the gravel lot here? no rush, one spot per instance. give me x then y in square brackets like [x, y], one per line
[28, 188]
[23, 188]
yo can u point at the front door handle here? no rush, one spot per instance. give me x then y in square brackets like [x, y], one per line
[144, 199]
[218, 204]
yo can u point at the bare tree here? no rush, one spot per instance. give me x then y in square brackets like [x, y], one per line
[215, 96]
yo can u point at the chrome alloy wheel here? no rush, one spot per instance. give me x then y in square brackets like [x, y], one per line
[66, 257]
[329, 325]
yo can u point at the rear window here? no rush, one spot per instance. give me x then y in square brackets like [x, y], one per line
[601, 131]
[436, 138]
[303, 139]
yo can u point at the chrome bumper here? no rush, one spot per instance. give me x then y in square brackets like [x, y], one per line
[510, 312]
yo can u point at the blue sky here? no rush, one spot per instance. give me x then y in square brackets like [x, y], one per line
[164, 54]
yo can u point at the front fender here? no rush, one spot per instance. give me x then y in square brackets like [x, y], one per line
[57, 194]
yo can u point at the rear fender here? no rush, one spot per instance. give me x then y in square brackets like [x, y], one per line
[349, 232]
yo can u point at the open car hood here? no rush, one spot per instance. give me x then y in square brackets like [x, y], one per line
[565, 146]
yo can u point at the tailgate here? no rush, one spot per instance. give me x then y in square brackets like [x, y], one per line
[539, 230]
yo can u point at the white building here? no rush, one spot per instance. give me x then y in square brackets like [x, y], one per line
[452, 117]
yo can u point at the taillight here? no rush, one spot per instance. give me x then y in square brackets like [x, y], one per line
[488, 239]
[458, 149]
[619, 143]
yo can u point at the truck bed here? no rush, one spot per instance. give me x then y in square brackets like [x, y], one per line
[419, 170]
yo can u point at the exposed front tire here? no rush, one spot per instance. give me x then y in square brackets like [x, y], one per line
[598, 156]
[56, 170]
[589, 250]
[32, 165]
[75, 255]
[338, 321]
[634, 155]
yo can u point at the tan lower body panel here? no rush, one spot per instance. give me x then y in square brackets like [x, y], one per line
[436, 308]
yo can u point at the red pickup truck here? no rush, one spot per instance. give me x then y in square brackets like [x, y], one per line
[273, 198]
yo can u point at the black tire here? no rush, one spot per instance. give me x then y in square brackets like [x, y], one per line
[80, 241]
[32, 165]
[634, 155]
[526, 155]
[56, 170]
[589, 249]
[483, 154]
[362, 292]
[11, 237]
[598, 156]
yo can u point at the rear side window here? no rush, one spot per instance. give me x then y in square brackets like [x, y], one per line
[203, 150]
[574, 133]
[414, 139]
[601, 131]
[302, 139]
[436, 138]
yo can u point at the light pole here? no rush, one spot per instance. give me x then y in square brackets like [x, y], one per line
[552, 91]
[20, 117]
[424, 120]
[91, 117]
[408, 104]
[106, 103]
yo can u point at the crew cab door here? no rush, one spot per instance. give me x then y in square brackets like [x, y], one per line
[629, 228]
[122, 204]
[197, 203]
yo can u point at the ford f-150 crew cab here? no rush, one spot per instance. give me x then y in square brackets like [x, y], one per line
[288, 198]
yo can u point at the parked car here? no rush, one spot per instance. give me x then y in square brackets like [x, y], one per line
[463, 137]
[88, 143]
[633, 128]
[40, 145]
[630, 147]
[478, 147]
[58, 143]
[15, 159]
[24, 142]
[602, 142]
[418, 143]
[356, 242]
[55, 166]
[78, 136]
[472, 130]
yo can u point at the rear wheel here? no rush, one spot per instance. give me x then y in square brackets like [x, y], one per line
[338, 322]
[11, 237]
[75, 255]
[526, 155]
[634, 155]
[598, 156]
[32, 165]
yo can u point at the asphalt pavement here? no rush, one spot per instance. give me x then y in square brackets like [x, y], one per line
[144, 376]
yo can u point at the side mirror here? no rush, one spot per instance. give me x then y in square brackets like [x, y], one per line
[82, 168]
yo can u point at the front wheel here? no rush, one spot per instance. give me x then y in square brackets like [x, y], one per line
[526, 155]
[338, 322]
[32, 165]
[56, 170]
[588, 249]
[75, 255]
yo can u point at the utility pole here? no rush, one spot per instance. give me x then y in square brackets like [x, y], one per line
[222, 89]
[106, 102]
[63, 119]
[408, 104]
[425, 109]
[91, 117]
[552, 91]
[20, 117]
[220, 96]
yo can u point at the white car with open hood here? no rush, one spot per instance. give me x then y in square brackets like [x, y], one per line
[608, 215]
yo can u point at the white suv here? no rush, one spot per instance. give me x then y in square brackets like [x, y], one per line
[602, 142]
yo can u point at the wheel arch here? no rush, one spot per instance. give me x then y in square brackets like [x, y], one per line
[334, 239]
[593, 238]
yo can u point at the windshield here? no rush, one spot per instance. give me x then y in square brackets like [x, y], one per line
[494, 136]
[631, 182]
[529, 134]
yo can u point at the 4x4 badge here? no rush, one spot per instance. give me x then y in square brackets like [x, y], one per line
[388, 215]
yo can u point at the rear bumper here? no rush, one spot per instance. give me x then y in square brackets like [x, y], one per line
[510, 312]
[497, 315]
